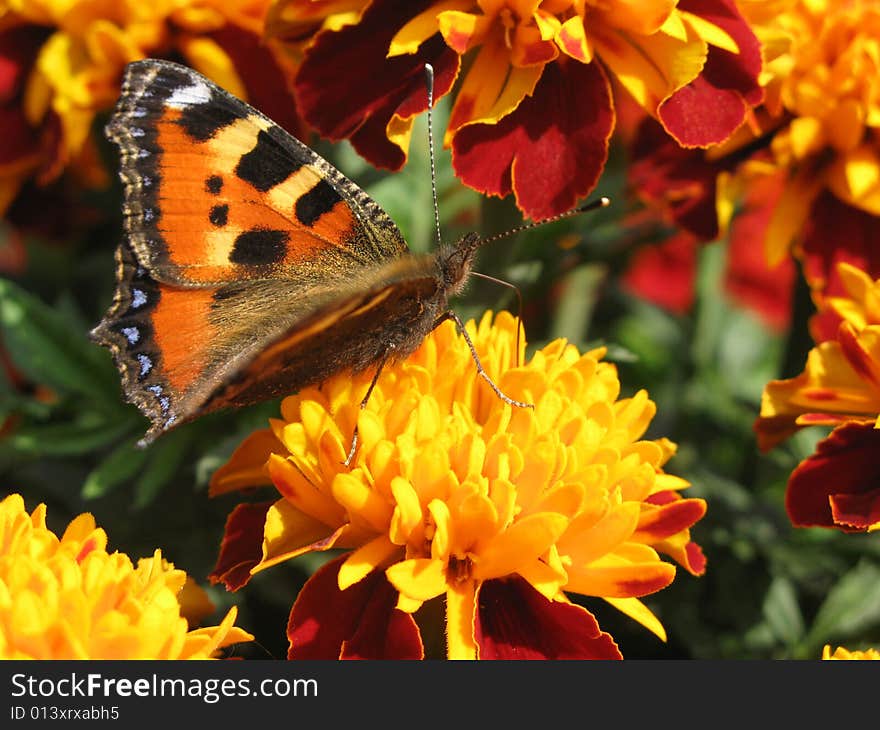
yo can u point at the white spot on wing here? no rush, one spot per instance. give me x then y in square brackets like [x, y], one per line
[146, 364]
[197, 93]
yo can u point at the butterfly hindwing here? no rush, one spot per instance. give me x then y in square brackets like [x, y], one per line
[216, 192]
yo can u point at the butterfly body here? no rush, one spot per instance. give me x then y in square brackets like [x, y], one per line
[250, 267]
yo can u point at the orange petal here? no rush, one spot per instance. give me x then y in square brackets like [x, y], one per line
[620, 579]
[246, 466]
[288, 532]
[521, 542]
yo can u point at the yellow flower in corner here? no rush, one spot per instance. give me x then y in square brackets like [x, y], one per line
[841, 653]
[68, 598]
[63, 63]
[498, 512]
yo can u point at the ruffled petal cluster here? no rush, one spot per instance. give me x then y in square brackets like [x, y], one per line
[533, 109]
[811, 148]
[840, 387]
[498, 510]
[68, 598]
[62, 64]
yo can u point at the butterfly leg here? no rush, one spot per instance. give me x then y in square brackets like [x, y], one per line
[482, 373]
[354, 437]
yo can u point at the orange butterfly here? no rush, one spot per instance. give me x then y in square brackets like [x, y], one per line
[251, 267]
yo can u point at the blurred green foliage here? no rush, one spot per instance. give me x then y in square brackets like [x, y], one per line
[770, 590]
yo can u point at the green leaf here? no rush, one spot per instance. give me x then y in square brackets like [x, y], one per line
[852, 606]
[121, 464]
[165, 456]
[45, 348]
[63, 439]
[574, 311]
[782, 612]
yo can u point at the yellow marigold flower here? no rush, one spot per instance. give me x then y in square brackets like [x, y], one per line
[840, 386]
[454, 494]
[68, 598]
[841, 381]
[67, 61]
[841, 653]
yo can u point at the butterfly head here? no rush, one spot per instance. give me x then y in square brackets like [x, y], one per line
[455, 262]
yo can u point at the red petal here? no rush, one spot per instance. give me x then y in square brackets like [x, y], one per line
[858, 511]
[346, 87]
[360, 622]
[550, 150]
[681, 181]
[18, 52]
[242, 545]
[263, 77]
[845, 465]
[514, 621]
[664, 274]
[713, 105]
[19, 138]
[749, 280]
[836, 232]
[695, 560]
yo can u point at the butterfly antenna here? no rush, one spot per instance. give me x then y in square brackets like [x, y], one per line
[593, 205]
[429, 83]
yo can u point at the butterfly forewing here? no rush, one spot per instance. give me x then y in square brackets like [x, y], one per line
[216, 192]
[243, 249]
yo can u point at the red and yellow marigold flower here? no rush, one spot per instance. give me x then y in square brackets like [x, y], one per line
[68, 598]
[62, 64]
[812, 146]
[842, 653]
[533, 110]
[453, 494]
[840, 387]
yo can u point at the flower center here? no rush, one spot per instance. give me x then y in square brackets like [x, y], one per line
[458, 570]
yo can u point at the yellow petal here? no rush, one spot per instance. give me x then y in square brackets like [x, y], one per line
[419, 578]
[855, 178]
[520, 543]
[653, 67]
[462, 31]
[362, 501]
[461, 607]
[614, 528]
[247, 465]
[288, 532]
[417, 30]
[363, 561]
[845, 125]
[709, 32]
[492, 89]
[806, 136]
[638, 611]
[789, 216]
[572, 39]
[408, 513]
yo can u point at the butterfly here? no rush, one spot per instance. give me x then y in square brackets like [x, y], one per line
[250, 266]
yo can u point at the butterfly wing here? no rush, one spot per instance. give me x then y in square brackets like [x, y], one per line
[216, 192]
[243, 248]
[183, 352]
